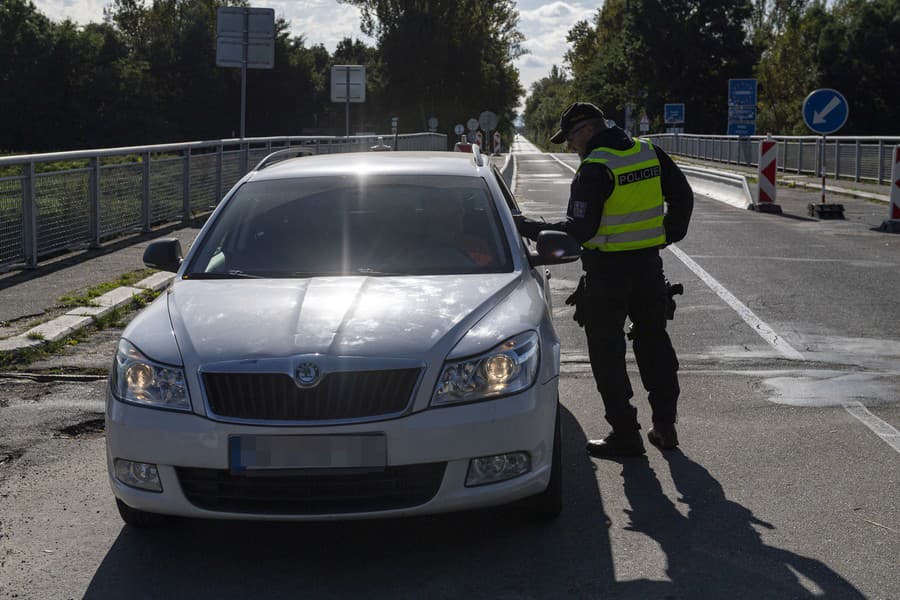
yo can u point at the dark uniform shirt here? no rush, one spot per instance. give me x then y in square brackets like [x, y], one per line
[593, 184]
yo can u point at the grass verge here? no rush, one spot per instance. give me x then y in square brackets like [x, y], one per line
[19, 359]
[87, 298]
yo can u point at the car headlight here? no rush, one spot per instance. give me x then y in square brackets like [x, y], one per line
[506, 369]
[139, 380]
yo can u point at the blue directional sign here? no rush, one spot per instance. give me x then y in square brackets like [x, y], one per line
[825, 111]
[742, 92]
[742, 113]
[674, 113]
[742, 128]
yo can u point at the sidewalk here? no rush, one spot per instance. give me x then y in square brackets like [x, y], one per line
[857, 189]
[29, 300]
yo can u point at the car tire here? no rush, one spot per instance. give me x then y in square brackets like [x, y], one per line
[547, 505]
[139, 518]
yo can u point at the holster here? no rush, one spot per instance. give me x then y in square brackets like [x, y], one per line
[578, 300]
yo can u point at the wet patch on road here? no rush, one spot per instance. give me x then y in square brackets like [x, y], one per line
[89, 428]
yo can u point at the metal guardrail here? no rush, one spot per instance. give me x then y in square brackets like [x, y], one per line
[46, 212]
[857, 158]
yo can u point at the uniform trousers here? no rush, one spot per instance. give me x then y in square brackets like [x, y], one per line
[630, 284]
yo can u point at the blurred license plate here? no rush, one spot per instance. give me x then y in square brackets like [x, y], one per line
[266, 452]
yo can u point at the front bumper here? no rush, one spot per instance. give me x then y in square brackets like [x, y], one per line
[452, 435]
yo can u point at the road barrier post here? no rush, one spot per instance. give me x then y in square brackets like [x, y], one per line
[892, 224]
[146, 210]
[766, 172]
[29, 217]
[186, 186]
[94, 202]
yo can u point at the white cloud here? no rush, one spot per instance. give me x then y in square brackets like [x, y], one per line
[318, 21]
[545, 26]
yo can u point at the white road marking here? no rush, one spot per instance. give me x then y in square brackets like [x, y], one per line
[883, 430]
[749, 317]
[571, 168]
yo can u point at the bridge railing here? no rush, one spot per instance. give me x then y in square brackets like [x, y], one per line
[858, 158]
[107, 193]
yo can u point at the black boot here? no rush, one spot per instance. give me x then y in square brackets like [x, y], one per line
[663, 436]
[617, 445]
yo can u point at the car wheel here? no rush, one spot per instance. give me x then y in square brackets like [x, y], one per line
[547, 505]
[139, 518]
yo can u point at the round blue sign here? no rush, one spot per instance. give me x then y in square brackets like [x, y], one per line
[825, 111]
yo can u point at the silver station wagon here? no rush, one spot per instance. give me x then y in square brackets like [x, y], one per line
[350, 336]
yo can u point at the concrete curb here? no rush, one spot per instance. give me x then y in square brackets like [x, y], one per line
[83, 316]
[837, 190]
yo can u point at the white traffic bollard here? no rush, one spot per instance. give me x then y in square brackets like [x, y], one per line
[768, 167]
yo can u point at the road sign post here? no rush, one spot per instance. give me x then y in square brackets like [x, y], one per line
[245, 39]
[674, 113]
[825, 111]
[348, 84]
[742, 107]
[459, 129]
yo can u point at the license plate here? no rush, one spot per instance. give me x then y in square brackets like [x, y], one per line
[279, 452]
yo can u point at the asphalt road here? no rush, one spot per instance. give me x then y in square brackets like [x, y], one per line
[786, 484]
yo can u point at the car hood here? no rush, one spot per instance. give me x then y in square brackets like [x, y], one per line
[220, 320]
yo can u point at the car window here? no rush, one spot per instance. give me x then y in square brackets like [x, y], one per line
[350, 225]
[507, 193]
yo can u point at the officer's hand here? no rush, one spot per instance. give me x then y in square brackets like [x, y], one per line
[528, 227]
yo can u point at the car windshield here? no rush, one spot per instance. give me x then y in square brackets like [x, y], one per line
[354, 225]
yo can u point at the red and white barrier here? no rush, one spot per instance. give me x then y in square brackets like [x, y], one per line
[895, 186]
[893, 223]
[768, 167]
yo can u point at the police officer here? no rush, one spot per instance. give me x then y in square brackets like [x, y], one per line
[616, 211]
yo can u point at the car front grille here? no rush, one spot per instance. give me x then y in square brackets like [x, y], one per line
[276, 397]
[332, 493]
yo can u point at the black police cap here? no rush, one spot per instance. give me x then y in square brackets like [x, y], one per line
[574, 114]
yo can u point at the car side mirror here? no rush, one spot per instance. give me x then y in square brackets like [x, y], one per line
[554, 248]
[164, 254]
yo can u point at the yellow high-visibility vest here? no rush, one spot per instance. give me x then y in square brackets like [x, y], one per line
[633, 214]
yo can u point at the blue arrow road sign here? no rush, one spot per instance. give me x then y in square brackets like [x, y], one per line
[674, 113]
[825, 111]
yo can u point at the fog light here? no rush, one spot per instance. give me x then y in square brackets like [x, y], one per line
[139, 475]
[491, 469]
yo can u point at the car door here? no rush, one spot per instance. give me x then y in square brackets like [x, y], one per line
[539, 273]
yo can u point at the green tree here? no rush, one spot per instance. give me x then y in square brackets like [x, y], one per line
[548, 98]
[857, 56]
[645, 53]
[26, 42]
[446, 58]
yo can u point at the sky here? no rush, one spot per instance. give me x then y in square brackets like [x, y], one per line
[544, 24]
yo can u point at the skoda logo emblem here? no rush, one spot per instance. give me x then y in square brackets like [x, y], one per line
[307, 374]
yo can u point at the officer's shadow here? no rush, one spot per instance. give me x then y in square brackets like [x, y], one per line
[714, 551]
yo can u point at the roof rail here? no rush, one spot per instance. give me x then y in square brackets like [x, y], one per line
[476, 151]
[280, 155]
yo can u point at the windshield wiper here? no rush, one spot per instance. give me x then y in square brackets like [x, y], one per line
[233, 274]
[367, 271]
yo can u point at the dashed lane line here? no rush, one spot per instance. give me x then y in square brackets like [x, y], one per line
[880, 428]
